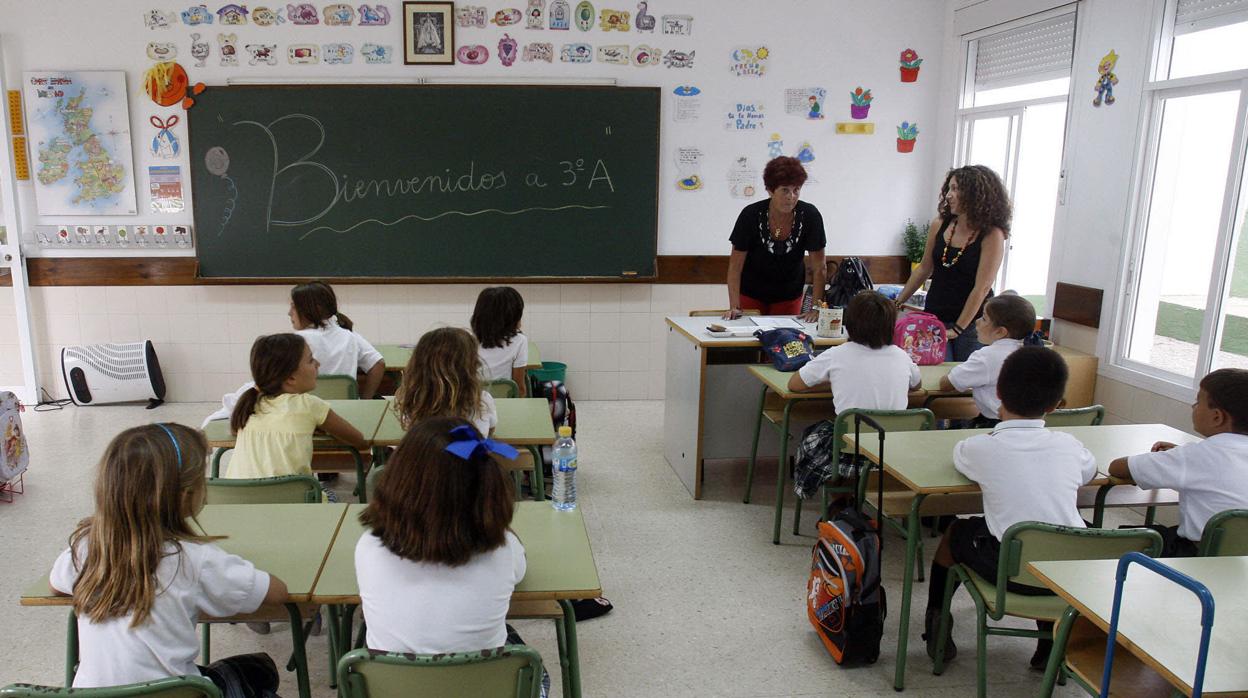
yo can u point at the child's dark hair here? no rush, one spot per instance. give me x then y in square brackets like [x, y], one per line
[1227, 390]
[1032, 381]
[433, 506]
[870, 318]
[274, 358]
[316, 303]
[1013, 312]
[496, 318]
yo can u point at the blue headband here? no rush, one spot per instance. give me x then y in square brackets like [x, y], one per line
[176, 447]
[468, 444]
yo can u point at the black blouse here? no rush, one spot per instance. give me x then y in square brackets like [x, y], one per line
[773, 268]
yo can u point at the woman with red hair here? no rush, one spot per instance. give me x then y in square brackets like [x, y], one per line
[769, 242]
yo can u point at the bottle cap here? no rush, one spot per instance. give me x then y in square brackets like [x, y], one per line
[565, 431]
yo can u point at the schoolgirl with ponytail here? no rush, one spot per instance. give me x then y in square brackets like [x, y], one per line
[341, 351]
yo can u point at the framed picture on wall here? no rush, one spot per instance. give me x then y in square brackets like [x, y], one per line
[429, 33]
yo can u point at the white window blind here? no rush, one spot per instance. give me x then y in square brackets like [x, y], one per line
[1197, 15]
[1032, 53]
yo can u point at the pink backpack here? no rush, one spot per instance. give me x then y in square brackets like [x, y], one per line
[922, 337]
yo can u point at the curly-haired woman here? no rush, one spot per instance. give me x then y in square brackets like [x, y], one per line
[965, 246]
[769, 243]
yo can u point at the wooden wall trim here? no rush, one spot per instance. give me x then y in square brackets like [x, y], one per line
[1078, 304]
[181, 271]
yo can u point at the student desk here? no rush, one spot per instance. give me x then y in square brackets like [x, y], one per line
[396, 356]
[290, 541]
[922, 461]
[1159, 623]
[560, 567]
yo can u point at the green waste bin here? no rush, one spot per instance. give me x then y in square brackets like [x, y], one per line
[550, 371]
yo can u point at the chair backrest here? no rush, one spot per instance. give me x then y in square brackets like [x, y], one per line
[1226, 533]
[1076, 417]
[718, 313]
[1031, 541]
[176, 687]
[336, 387]
[286, 489]
[918, 419]
[502, 388]
[513, 670]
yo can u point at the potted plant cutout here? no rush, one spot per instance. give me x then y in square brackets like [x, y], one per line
[914, 239]
[906, 134]
[910, 63]
[861, 103]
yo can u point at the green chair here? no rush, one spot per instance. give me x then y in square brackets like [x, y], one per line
[1225, 534]
[336, 387]
[1090, 416]
[176, 687]
[286, 489]
[1022, 543]
[513, 670]
[502, 388]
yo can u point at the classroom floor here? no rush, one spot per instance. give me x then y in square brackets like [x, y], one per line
[705, 604]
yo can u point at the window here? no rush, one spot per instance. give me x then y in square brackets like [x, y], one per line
[1208, 37]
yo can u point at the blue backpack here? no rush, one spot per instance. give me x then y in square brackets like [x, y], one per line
[788, 348]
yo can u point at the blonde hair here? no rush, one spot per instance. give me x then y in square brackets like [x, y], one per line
[442, 379]
[149, 481]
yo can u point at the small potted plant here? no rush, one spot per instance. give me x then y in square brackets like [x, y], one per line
[906, 135]
[915, 240]
[861, 103]
[910, 63]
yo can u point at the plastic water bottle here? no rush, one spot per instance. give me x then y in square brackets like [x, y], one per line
[563, 494]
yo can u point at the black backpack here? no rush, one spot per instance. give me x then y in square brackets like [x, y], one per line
[850, 278]
[562, 413]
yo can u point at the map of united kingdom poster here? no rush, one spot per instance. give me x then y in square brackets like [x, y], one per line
[79, 125]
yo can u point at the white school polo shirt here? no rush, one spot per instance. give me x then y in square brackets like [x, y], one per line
[1211, 476]
[1026, 473]
[203, 581]
[862, 377]
[979, 373]
[340, 351]
[498, 361]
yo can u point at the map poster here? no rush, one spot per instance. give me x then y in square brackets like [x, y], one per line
[79, 124]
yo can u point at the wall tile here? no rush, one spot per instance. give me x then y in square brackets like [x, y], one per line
[574, 327]
[574, 299]
[604, 356]
[124, 328]
[155, 327]
[635, 356]
[578, 385]
[242, 327]
[541, 326]
[635, 298]
[59, 329]
[394, 327]
[540, 296]
[604, 385]
[575, 354]
[214, 329]
[657, 378]
[604, 298]
[94, 329]
[635, 327]
[121, 300]
[604, 327]
[214, 300]
[634, 385]
[665, 299]
[183, 327]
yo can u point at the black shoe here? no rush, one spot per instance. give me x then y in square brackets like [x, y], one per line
[1040, 660]
[327, 477]
[931, 624]
[585, 609]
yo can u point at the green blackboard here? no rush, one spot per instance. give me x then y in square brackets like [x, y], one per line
[425, 181]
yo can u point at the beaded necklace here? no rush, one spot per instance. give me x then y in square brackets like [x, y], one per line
[944, 254]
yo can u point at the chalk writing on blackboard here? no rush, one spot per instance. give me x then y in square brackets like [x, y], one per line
[466, 214]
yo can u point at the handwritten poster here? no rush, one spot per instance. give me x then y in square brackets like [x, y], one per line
[805, 101]
[743, 178]
[745, 116]
[689, 165]
[687, 105]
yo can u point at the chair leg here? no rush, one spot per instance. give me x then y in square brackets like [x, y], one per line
[216, 462]
[920, 573]
[334, 621]
[758, 425]
[942, 634]
[561, 639]
[782, 473]
[1053, 668]
[71, 649]
[1149, 515]
[907, 588]
[300, 658]
[361, 473]
[573, 689]
[1098, 508]
[539, 478]
[797, 515]
[205, 643]
[981, 653]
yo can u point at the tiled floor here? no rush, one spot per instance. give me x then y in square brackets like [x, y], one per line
[705, 604]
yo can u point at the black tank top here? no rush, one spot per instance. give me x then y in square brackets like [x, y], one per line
[951, 285]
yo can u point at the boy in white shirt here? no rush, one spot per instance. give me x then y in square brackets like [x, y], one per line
[1211, 476]
[1006, 321]
[1025, 472]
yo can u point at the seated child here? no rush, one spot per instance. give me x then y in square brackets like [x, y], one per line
[274, 419]
[141, 576]
[1006, 321]
[440, 562]
[1026, 473]
[444, 379]
[335, 344]
[1210, 476]
[496, 324]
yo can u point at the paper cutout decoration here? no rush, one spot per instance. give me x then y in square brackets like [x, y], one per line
[584, 15]
[508, 50]
[156, 19]
[162, 50]
[749, 62]
[262, 53]
[533, 18]
[910, 63]
[687, 105]
[646, 56]
[303, 13]
[339, 15]
[680, 25]
[860, 103]
[470, 16]
[303, 54]
[560, 15]
[377, 53]
[166, 83]
[123, 235]
[166, 188]
[613, 20]
[232, 15]
[472, 54]
[375, 16]
[227, 49]
[199, 51]
[1105, 81]
[576, 53]
[849, 128]
[101, 234]
[745, 116]
[742, 178]
[614, 55]
[688, 164]
[196, 14]
[678, 59]
[160, 233]
[265, 17]
[337, 54]
[805, 153]
[906, 135]
[165, 144]
[775, 146]
[538, 52]
[506, 17]
[140, 234]
[644, 21]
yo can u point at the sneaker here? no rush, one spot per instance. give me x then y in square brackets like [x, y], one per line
[1040, 660]
[585, 609]
[931, 624]
[260, 628]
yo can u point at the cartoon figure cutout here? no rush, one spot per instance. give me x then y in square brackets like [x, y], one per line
[376, 16]
[228, 50]
[470, 16]
[303, 13]
[196, 14]
[584, 15]
[232, 14]
[533, 17]
[262, 53]
[265, 17]
[165, 144]
[339, 15]
[645, 21]
[1104, 87]
[199, 51]
[156, 19]
[538, 52]
[560, 15]
[508, 50]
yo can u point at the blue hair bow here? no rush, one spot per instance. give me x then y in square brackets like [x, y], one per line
[468, 444]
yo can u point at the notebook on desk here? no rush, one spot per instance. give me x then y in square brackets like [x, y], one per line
[775, 321]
